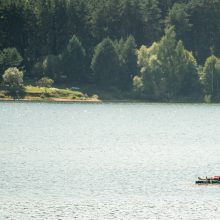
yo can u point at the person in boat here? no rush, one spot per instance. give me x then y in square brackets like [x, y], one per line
[210, 178]
[206, 178]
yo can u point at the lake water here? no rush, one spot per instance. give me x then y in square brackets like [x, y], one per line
[108, 161]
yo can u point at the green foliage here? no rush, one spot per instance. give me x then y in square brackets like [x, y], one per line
[105, 63]
[13, 77]
[73, 60]
[138, 87]
[13, 81]
[9, 57]
[211, 76]
[44, 32]
[45, 82]
[204, 15]
[178, 17]
[71, 63]
[37, 69]
[207, 98]
[167, 70]
[39, 28]
[52, 66]
[188, 73]
[126, 50]
[121, 18]
[115, 63]
[151, 82]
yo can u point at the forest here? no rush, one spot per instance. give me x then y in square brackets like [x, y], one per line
[156, 50]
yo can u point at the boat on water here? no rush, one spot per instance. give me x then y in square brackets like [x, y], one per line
[208, 180]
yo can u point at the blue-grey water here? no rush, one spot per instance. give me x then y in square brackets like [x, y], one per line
[108, 161]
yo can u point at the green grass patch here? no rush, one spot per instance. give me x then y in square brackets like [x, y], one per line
[33, 89]
[53, 92]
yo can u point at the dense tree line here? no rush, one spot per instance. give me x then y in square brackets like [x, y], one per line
[101, 42]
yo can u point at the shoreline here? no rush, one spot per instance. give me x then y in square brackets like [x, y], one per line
[65, 95]
[92, 100]
[52, 100]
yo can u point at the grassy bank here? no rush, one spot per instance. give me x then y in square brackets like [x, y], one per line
[33, 93]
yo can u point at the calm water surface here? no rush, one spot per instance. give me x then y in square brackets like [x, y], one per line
[108, 161]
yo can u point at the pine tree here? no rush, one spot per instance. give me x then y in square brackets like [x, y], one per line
[128, 62]
[9, 57]
[105, 63]
[73, 60]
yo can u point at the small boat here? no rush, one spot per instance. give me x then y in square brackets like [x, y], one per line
[208, 180]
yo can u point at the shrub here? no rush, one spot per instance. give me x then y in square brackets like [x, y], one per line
[13, 81]
[45, 82]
